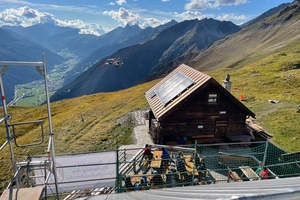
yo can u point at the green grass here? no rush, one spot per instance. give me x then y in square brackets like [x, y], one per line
[98, 131]
[260, 78]
[274, 76]
[35, 91]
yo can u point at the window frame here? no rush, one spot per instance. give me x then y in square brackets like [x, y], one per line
[212, 98]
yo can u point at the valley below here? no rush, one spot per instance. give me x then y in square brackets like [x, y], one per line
[33, 93]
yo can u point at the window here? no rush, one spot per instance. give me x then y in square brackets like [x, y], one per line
[212, 98]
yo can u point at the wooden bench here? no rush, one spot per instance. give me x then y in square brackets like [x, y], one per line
[249, 173]
[228, 160]
[33, 193]
[234, 176]
[208, 140]
[171, 143]
[202, 136]
[204, 139]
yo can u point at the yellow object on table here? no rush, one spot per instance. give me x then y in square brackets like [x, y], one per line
[189, 165]
[156, 161]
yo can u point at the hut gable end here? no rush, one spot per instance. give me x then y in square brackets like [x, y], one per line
[190, 104]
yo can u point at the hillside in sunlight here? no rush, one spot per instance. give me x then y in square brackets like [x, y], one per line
[89, 123]
[83, 124]
[272, 77]
[264, 63]
[267, 70]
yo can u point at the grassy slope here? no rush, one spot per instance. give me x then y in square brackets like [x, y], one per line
[274, 76]
[267, 74]
[99, 130]
[264, 62]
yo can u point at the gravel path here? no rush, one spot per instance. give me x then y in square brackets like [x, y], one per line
[140, 132]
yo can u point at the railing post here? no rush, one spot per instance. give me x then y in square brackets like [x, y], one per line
[195, 167]
[45, 172]
[125, 155]
[117, 184]
[6, 120]
[265, 154]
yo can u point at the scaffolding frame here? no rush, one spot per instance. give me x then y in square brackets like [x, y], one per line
[41, 68]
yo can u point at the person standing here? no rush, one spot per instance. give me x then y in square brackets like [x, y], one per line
[147, 152]
[259, 169]
[264, 174]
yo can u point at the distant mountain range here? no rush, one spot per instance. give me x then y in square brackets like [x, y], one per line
[180, 43]
[15, 47]
[146, 53]
[262, 38]
[115, 40]
[143, 59]
[52, 40]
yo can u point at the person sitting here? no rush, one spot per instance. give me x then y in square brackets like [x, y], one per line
[166, 158]
[201, 167]
[259, 169]
[172, 178]
[181, 140]
[128, 185]
[147, 152]
[157, 180]
[264, 173]
[141, 185]
[180, 165]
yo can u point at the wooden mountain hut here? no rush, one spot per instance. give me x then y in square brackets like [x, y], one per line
[188, 106]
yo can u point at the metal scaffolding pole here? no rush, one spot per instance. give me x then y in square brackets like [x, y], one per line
[6, 118]
[42, 69]
[51, 134]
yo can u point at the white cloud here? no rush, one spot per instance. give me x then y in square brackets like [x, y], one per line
[118, 2]
[123, 16]
[121, 2]
[210, 4]
[230, 2]
[153, 22]
[26, 16]
[231, 17]
[200, 4]
[84, 27]
[9, 19]
[188, 15]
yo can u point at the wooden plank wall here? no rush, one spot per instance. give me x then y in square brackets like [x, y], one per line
[195, 116]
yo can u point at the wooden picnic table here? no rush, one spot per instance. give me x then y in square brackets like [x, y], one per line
[249, 173]
[33, 193]
[136, 178]
[156, 160]
[189, 165]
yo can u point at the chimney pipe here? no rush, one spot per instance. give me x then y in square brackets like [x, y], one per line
[227, 83]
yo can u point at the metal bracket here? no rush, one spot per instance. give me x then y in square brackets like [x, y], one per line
[3, 69]
[38, 122]
[40, 70]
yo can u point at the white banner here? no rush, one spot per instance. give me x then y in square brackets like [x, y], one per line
[99, 171]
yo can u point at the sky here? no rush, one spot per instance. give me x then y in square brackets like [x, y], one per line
[101, 16]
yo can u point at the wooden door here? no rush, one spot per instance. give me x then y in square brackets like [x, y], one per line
[221, 128]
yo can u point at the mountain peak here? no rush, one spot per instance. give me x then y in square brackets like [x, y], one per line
[133, 27]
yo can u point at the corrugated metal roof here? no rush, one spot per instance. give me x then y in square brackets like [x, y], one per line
[283, 189]
[158, 107]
